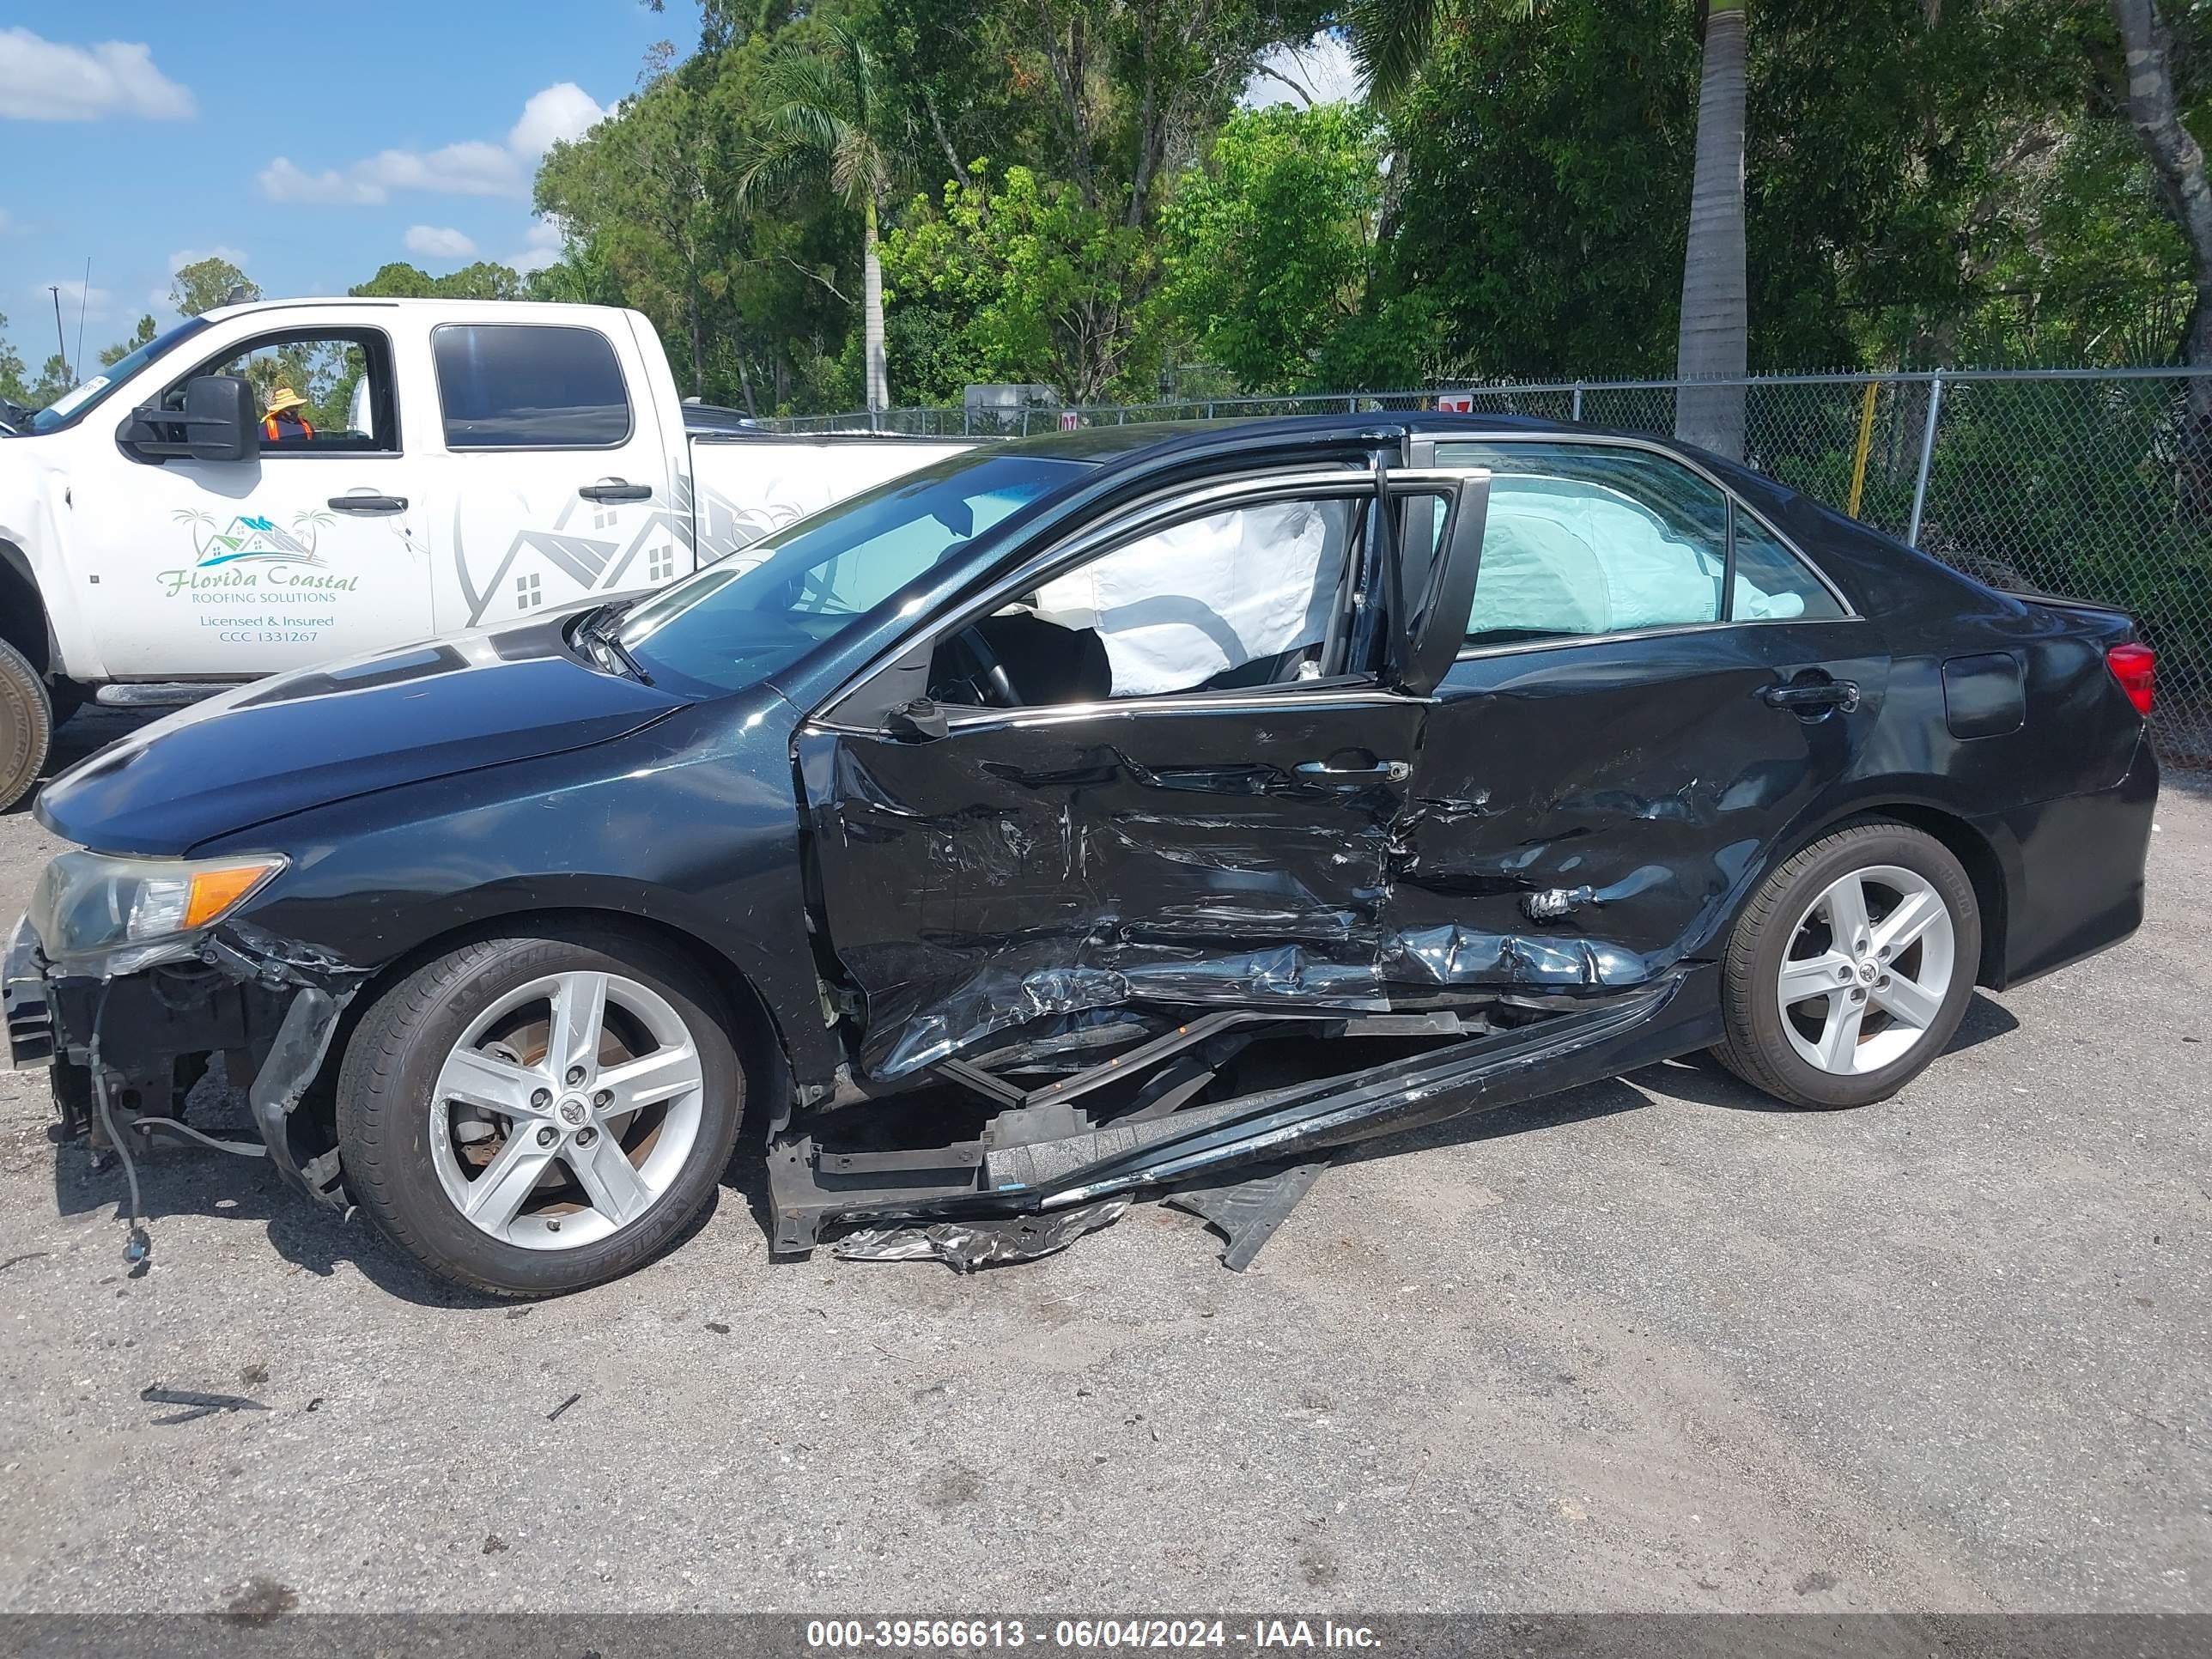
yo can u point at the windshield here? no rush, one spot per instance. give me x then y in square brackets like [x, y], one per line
[81, 399]
[764, 607]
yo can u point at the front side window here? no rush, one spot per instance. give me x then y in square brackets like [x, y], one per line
[529, 385]
[1238, 598]
[316, 394]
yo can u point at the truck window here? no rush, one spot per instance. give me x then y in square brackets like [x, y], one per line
[317, 393]
[529, 385]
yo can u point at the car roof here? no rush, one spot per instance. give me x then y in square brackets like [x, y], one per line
[1163, 439]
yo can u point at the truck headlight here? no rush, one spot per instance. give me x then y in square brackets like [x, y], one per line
[103, 916]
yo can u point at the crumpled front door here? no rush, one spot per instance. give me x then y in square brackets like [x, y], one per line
[1192, 853]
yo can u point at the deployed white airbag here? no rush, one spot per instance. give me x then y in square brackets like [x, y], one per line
[1185, 603]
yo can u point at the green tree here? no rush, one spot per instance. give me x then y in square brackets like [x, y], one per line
[1265, 253]
[54, 378]
[825, 118]
[399, 280]
[1395, 39]
[12, 386]
[206, 284]
[143, 335]
[1026, 283]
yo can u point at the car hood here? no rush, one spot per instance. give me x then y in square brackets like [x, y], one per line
[321, 735]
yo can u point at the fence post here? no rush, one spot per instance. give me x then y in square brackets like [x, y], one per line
[1351, 405]
[967, 418]
[1927, 455]
[1866, 443]
[1577, 414]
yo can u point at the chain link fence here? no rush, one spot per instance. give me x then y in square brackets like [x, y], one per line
[2093, 484]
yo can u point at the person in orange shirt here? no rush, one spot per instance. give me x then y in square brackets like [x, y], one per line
[282, 422]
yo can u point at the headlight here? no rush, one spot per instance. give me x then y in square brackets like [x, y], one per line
[106, 915]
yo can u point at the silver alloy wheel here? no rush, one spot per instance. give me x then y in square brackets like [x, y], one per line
[1870, 963]
[567, 1110]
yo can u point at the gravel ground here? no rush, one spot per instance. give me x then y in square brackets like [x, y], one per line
[1655, 1344]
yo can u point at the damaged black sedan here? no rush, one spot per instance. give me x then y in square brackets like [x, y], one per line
[1090, 816]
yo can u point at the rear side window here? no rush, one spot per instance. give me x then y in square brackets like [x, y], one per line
[1771, 582]
[1586, 540]
[529, 385]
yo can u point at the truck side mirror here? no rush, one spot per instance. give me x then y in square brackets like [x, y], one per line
[220, 422]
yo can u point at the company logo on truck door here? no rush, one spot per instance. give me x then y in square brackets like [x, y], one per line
[252, 539]
[257, 583]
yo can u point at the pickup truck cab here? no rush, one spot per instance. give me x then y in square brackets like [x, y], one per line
[271, 486]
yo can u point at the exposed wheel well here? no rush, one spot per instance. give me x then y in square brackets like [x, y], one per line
[1967, 844]
[751, 1023]
[22, 612]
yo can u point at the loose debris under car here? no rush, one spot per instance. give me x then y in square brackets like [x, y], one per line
[1246, 1210]
[967, 1245]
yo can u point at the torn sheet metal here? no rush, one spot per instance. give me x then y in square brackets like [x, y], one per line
[1247, 1213]
[967, 1245]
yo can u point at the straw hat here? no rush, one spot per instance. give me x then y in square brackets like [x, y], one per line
[284, 398]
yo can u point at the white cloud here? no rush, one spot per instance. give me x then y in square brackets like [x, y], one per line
[475, 167]
[554, 116]
[283, 181]
[541, 248]
[193, 256]
[1322, 69]
[44, 81]
[439, 242]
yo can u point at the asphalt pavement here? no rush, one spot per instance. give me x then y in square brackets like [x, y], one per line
[1655, 1343]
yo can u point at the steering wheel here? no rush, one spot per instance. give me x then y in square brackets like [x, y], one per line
[989, 680]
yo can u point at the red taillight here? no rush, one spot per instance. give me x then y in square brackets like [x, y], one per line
[2136, 667]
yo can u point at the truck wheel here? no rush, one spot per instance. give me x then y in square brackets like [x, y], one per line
[528, 1117]
[1850, 967]
[26, 725]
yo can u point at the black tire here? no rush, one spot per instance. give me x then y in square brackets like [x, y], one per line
[1756, 1047]
[26, 725]
[391, 1069]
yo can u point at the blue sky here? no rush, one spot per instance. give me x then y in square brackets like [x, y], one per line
[309, 142]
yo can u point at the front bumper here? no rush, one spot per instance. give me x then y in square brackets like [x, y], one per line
[140, 1034]
[30, 1013]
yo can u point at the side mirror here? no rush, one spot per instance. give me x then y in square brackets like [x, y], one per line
[221, 420]
[919, 721]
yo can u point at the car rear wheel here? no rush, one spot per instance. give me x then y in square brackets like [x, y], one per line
[26, 725]
[527, 1117]
[1850, 967]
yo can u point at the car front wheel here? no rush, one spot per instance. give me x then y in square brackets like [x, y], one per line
[528, 1117]
[1850, 967]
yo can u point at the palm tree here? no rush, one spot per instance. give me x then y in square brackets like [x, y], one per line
[1394, 38]
[1713, 345]
[826, 117]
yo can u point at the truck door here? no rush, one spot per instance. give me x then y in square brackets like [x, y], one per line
[554, 480]
[310, 551]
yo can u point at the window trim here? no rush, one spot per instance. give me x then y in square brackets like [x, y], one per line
[629, 401]
[371, 338]
[1425, 449]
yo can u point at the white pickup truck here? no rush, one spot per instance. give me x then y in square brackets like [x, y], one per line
[276, 485]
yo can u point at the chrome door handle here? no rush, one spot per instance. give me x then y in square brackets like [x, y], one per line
[1396, 771]
[616, 490]
[370, 503]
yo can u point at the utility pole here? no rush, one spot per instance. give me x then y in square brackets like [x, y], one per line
[60, 343]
